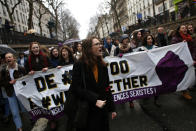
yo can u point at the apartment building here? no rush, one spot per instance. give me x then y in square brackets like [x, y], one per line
[20, 17]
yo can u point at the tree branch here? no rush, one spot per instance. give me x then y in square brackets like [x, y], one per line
[13, 8]
[3, 3]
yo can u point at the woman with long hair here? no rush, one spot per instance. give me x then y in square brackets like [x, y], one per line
[77, 50]
[148, 43]
[37, 60]
[97, 92]
[183, 36]
[54, 57]
[136, 41]
[66, 56]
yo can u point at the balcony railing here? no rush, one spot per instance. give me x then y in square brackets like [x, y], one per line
[158, 1]
[11, 37]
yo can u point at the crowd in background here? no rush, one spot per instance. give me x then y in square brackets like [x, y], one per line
[41, 58]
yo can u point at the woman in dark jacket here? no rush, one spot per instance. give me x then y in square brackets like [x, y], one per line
[54, 57]
[66, 56]
[37, 60]
[124, 46]
[97, 93]
[136, 41]
[182, 36]
[10, 73]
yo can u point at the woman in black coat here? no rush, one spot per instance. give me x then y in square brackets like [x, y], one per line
[97, 93]
[66, 56]
[54, 57]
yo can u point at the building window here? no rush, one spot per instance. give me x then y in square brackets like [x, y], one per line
[11, 2]
[4, 11]
[165, 6]
[14, 18]
[16, 26]
[160, 9]
[17, 16]
[24, 18]
[149, 12]
[21, 18]
[19, 29]
[171, 3]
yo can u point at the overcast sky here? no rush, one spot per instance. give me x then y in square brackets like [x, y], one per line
[82, 10]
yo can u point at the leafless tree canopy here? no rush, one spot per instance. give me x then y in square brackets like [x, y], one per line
[69, 25]
[56, 6]
[10, 8]
[39, 13]
[92, 25]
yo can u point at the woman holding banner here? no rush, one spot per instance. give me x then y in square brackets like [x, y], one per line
[124, 47]
[97, 91]
[148, 43]
[54, 57]
[11, 72]
[183, 36]
[37, 60]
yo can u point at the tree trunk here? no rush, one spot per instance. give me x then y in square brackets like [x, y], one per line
[106, 25]
[164, 13]
[102, 27]
[116, 13]
[56, 22]
[97, 33]
[10, 16]
[30, 19]
[153, 8]
[40, 27]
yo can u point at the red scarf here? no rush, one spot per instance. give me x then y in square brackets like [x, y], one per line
[186, 37]
[44, 57]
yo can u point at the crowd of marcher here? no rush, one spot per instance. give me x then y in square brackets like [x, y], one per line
[86, 56]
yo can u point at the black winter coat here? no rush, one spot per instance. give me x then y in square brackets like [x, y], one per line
[98, 119]
[5, 79]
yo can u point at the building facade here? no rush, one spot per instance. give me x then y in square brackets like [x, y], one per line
[20, 17]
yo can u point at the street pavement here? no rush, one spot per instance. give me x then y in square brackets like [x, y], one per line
[174, 114]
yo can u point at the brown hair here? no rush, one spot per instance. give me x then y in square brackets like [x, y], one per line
[31, 44]
[70, 54]
[87, 55]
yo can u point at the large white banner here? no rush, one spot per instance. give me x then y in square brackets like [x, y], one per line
[150, 73]
[133, 76]
[43, 94]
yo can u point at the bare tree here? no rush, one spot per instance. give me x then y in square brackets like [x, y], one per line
[40, 13]
[93, 25]
[10, 8]
[30, 19]
[113, 5]
[69, 25]
[103, 15]
[56, 6]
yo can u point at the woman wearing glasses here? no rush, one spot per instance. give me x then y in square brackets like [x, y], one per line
[97, 92]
